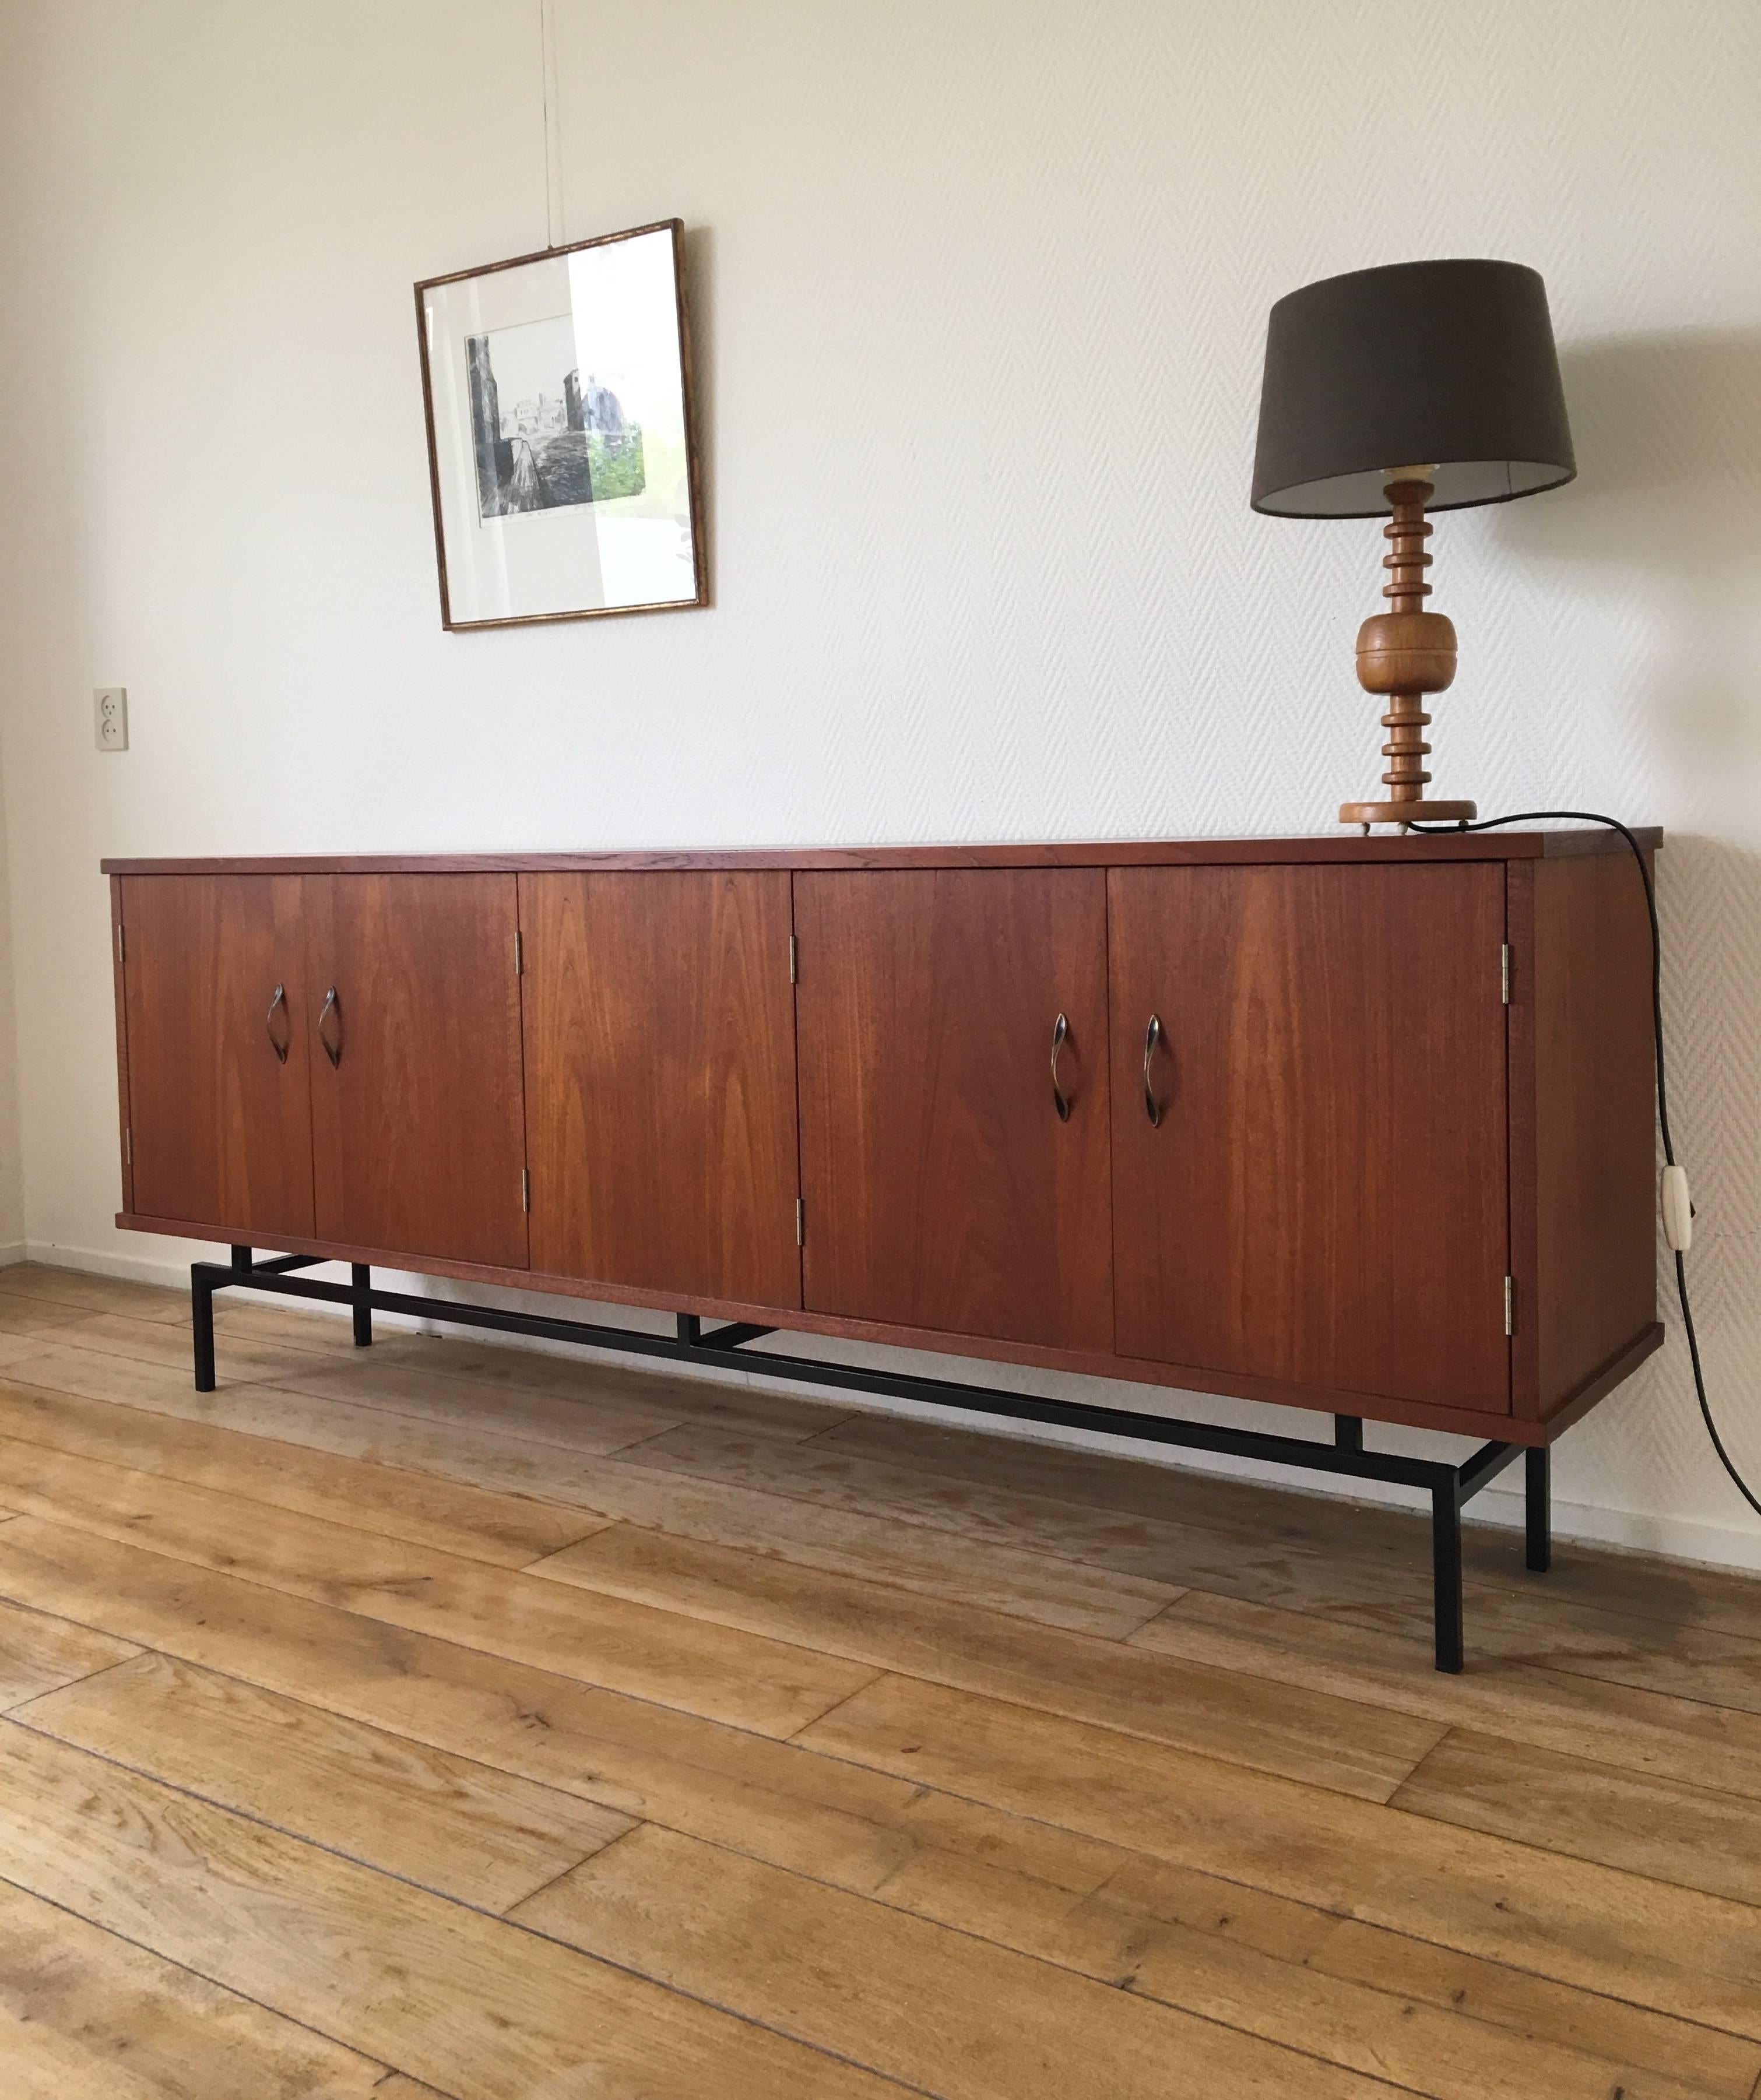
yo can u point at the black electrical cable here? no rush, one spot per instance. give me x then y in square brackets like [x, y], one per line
[1614, 824]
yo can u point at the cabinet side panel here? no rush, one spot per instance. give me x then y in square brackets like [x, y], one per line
[124, 1148]
[1596, 1152]
[1520, 1086]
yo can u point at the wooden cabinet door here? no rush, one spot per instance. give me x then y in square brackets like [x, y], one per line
[661, 1082]
[220, 1125]
[1324, 1201]
[942, 1190]
[418, 1123]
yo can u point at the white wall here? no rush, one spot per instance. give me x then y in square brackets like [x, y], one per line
[979, 291]
[11, 1149]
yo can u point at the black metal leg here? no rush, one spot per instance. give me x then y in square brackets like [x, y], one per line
[360, 1276]
[689, 1330]
[242, 1261]
[1348, 1432]
[1537, 1485]
[1446, 1567]
[201, 1324]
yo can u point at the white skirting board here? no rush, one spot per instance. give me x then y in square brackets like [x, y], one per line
[1678, 1539]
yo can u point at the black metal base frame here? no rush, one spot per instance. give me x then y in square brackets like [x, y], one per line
[1450, 1487]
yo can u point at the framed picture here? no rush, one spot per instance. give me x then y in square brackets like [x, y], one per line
[560, 446]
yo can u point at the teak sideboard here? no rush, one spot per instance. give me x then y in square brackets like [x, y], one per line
[1361, 1125]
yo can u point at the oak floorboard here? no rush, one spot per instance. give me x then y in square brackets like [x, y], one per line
[168, 1347]
[1379, 1583]
[578, 1406]
[317, 1331]
[84, 1291]
[430, 1987]
[837, 1821]
[1367, 2025]
[723, 1398]
[939, 1563]
[1425, 2017]
[1689, 1836]
[589, 1425]
[909, 1999]
[1389, 1543]
[461, 1829]
[39, 1653]
[1326, 1742]
[1678, 1951]
[723, 1673]
[1182, 1552]
[22, 1318]
[87, 2016]
[991, 1578]
[1608, 1723]
[505, 1530]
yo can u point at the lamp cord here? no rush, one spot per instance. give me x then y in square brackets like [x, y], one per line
[1614, 824]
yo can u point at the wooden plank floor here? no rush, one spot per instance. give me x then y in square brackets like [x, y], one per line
[451, 1720]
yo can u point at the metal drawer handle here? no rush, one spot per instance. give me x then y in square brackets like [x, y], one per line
[1152, 1037]
[1060, 1032]
[331, 1005]
[278, 1046]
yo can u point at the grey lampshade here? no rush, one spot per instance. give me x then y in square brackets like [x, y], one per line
[1448, 364]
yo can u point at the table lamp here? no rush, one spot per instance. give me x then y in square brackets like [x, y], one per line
[1390, 392]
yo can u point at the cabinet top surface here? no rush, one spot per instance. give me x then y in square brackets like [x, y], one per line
[1107, 853]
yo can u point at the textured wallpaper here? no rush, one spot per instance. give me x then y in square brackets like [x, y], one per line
[980, 292]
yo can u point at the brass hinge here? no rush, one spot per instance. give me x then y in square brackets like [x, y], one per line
[801, 1223]
[128, 1148]
[122, 953]
[519, 956]
[1504, 971]
[525, 1188]
[794, 961]
[1509, 1305]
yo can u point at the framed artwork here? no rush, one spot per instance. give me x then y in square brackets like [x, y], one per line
[560, 446]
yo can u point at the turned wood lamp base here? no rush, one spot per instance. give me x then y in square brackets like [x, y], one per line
[1367, 813]
[1405, 653]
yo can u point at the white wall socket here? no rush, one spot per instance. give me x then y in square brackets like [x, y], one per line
[110, 718]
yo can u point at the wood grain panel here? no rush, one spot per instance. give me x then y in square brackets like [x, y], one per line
[1324, 1199]
[1594, 1120]
[221, 1128]
[942, 1191]
[419, 1129]
[660, 1080]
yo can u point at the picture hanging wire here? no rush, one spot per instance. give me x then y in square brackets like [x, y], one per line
[552, 124]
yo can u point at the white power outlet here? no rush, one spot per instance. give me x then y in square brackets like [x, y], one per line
[110, 718]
